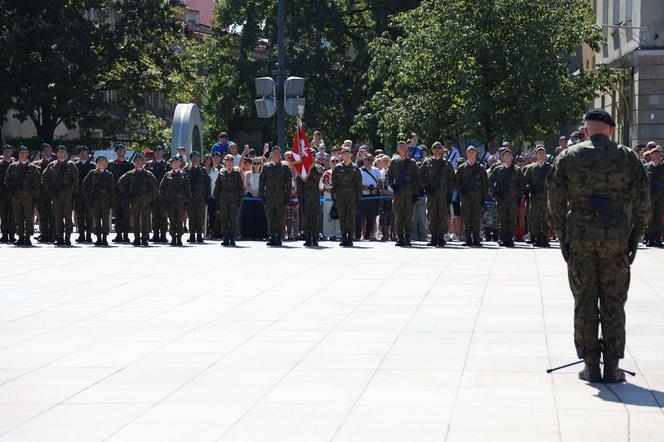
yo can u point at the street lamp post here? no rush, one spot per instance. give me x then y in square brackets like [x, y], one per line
[281, 74]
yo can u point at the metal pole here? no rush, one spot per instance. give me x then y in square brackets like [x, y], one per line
[281, 77]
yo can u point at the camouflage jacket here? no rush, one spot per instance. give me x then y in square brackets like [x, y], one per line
[656, 177]
[175, 188]
[4, 165]
[136, 185]
[84, 169]
[591, 187]
[98, 186]
[158, 168]
[229, 187]
[61, 179]
[471, 181]
[200, 183]
[119, 168]
[437, 176]
[275, 181]
[507, 183]
[22, 179]
[534, 177]
[308, 192]
[346, 181]
[402, 176]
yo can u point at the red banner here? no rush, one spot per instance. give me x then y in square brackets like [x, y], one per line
[302, 155]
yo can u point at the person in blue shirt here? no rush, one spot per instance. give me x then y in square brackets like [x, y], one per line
[223, 146]
[414, 151]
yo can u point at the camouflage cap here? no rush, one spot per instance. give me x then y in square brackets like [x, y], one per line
[60, 147]
[45, 146]
[599, 115]
[194, 153]
[119, 146]
[156, 148]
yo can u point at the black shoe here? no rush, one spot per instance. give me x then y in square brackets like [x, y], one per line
[191, 239]
[137, 241]
[4, 239]
[278, 241]
[81, 238]
[307, 243]
[99, 242]
[174, 242]
[27, 242]
[232, 242]
[104, 240]
[314, 243]
[59, 242]
[155, 237]
[118, 238]
[144, 241]
[88, 237]
[612, 374]
[180, 240]
[163, 239]
[199, 239]
[19, 242]
[67, 241]
[227, 242]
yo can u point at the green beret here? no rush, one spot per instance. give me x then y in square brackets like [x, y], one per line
[23, 147]
[60, 147]
[176, 158]
[7, 147]
[45, 146]
[139, 156]
[119, 146]
[100, 157]
[156, 148]
[599, 115]
[83, 148]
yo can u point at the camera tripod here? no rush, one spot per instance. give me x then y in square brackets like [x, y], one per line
[551, 370]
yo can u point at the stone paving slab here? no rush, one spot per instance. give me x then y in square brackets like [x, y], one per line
[374, 343]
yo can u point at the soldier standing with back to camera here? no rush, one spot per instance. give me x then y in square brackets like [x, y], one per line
[200, 189]
[23, 183]
[6, 222]
[61, 181]
[472, 183]
[655, 171]
[158, 167]
[591, 188]
[98, 191]
[534, 176]
[81, 208]
[274, 187]
[44, 209]
[118, 168]
[402, 177]
[507, 180]
[175, 190]
[228, 192]
[346, 192]
[139, 187]
[437, 178]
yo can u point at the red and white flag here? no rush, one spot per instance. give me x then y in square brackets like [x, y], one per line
[304, 158]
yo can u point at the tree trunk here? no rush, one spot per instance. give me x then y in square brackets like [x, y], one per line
[45, 129]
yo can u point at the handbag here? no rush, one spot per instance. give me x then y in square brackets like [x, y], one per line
[334, 213]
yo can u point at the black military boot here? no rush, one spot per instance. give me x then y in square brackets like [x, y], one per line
[81, 237]
[314, 241]
[508, 240]
[174, 241]
[227, 242]
[68, 239]
[612, 372]
[12, 239]
[4, 239]
[434, 240]
[88, 237]
[307, 241]
[59, 241]
[400, 242]
[144, 240]
[162, 237]
[191, 239]
[279, 241]
[476, 239]
[104, 240]
[232, 241]
[125, 237]
[137, 240]
[179, 236]
[99, 240]
[440, 240]
[27, 241]
[20, 241]
[199, 239]
[591, 371]
[545, 241]
[469, 238]
[349, 242]
[155, 236]
[118, 238]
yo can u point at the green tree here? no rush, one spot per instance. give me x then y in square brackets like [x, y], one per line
[481, 69]
[81, 61]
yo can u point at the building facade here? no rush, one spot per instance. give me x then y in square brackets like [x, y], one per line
[634, 33]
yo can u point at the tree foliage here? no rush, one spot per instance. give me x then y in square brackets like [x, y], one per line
[481, 69]
[62, 58]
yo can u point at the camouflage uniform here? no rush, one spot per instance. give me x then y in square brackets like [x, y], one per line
[654, 231]
[308, 192]
[6, 221]
[121, 202]
[44, 209]
[274, 187]
[472, 183]
[590, 189]
[98, 191]
[535, 180]
[138, 188]
[508, 185]
[200, 189]
[346, 191]
[159, 223]
[437, 179]
[403, 178]
[175, 191]
[81, 207]
[228, 192]
[23, 183]
[60, 180]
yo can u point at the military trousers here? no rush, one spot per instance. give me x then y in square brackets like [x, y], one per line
[140, 217]
[438, 208]
[63, 206]
[227, 211]
[599, 277]
[7, 225]
[45, 212]
[347, 208]
[100, 213]
[175, 213]
[508, 211]
[122, 214]
[402, 207]
[22, 211]
[537, 223]
[471, 213]
[84, 221]
[159, 221]
[311, 218]
[654, 231]
[275, 211]
[196, 216]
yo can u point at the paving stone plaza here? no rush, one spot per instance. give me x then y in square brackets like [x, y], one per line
[375, 343]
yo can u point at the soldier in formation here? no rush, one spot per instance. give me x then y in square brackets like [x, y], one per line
[200, 189]
[473, 184]
[23, 183]
[228, 191]
[437, 179]
[507, 182]
[81, 208]
[175, 190]
[6, 222]
[44, 208]
[274, 188]
[346, 192]
[535, 175]
[158, 167]
[98, 193]
[308, 192]
[138, 187]
[402, 177]
[118, 168]
[655, 171]
[61, 181]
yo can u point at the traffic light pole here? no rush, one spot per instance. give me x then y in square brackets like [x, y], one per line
[281, 77]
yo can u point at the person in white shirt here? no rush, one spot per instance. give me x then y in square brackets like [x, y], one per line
[368, 210]
[212, 164]
[237, 158]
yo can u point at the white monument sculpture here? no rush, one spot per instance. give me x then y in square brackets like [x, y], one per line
[187, 129]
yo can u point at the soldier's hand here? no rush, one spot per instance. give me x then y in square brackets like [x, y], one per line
[633, 246]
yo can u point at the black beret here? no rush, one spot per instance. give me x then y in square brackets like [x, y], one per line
[83, 148]
[139, 156]
[61, 147]
[194, 153]
[156, 148]
[100, 157]
[119, 146]
[599, 115]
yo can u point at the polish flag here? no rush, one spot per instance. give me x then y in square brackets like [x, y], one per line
[304, 158]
